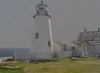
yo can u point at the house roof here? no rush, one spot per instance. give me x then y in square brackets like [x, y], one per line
[59, 45]
[89, 36]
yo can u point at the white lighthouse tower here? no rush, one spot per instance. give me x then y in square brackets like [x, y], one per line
[42, 36]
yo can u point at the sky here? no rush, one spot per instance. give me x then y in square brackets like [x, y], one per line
[68, 18]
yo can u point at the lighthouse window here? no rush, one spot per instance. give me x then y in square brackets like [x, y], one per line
[37, 35]
[49, 44]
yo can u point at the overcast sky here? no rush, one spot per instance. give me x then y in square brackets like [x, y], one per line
[69, 17]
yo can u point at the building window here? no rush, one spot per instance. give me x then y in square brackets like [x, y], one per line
[49, 43]
[73, 48]
[64, 49]
[36, 35]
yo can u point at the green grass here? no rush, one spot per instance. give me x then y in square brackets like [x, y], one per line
[89, 65]
[11, 71]
[10, 68]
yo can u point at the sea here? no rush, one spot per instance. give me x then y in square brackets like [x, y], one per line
[7, 52]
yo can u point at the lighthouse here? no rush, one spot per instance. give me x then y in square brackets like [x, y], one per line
[42, 32]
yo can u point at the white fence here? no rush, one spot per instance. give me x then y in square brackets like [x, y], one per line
[33, 56]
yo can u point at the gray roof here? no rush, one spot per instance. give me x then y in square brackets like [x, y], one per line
[89, 36]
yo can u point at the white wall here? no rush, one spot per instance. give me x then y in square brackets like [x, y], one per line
[40, 45]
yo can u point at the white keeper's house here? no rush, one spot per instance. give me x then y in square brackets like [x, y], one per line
[89, 42]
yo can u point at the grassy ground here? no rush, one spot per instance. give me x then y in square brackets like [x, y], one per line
[10, 68]
[10, 71]
[61, 66]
